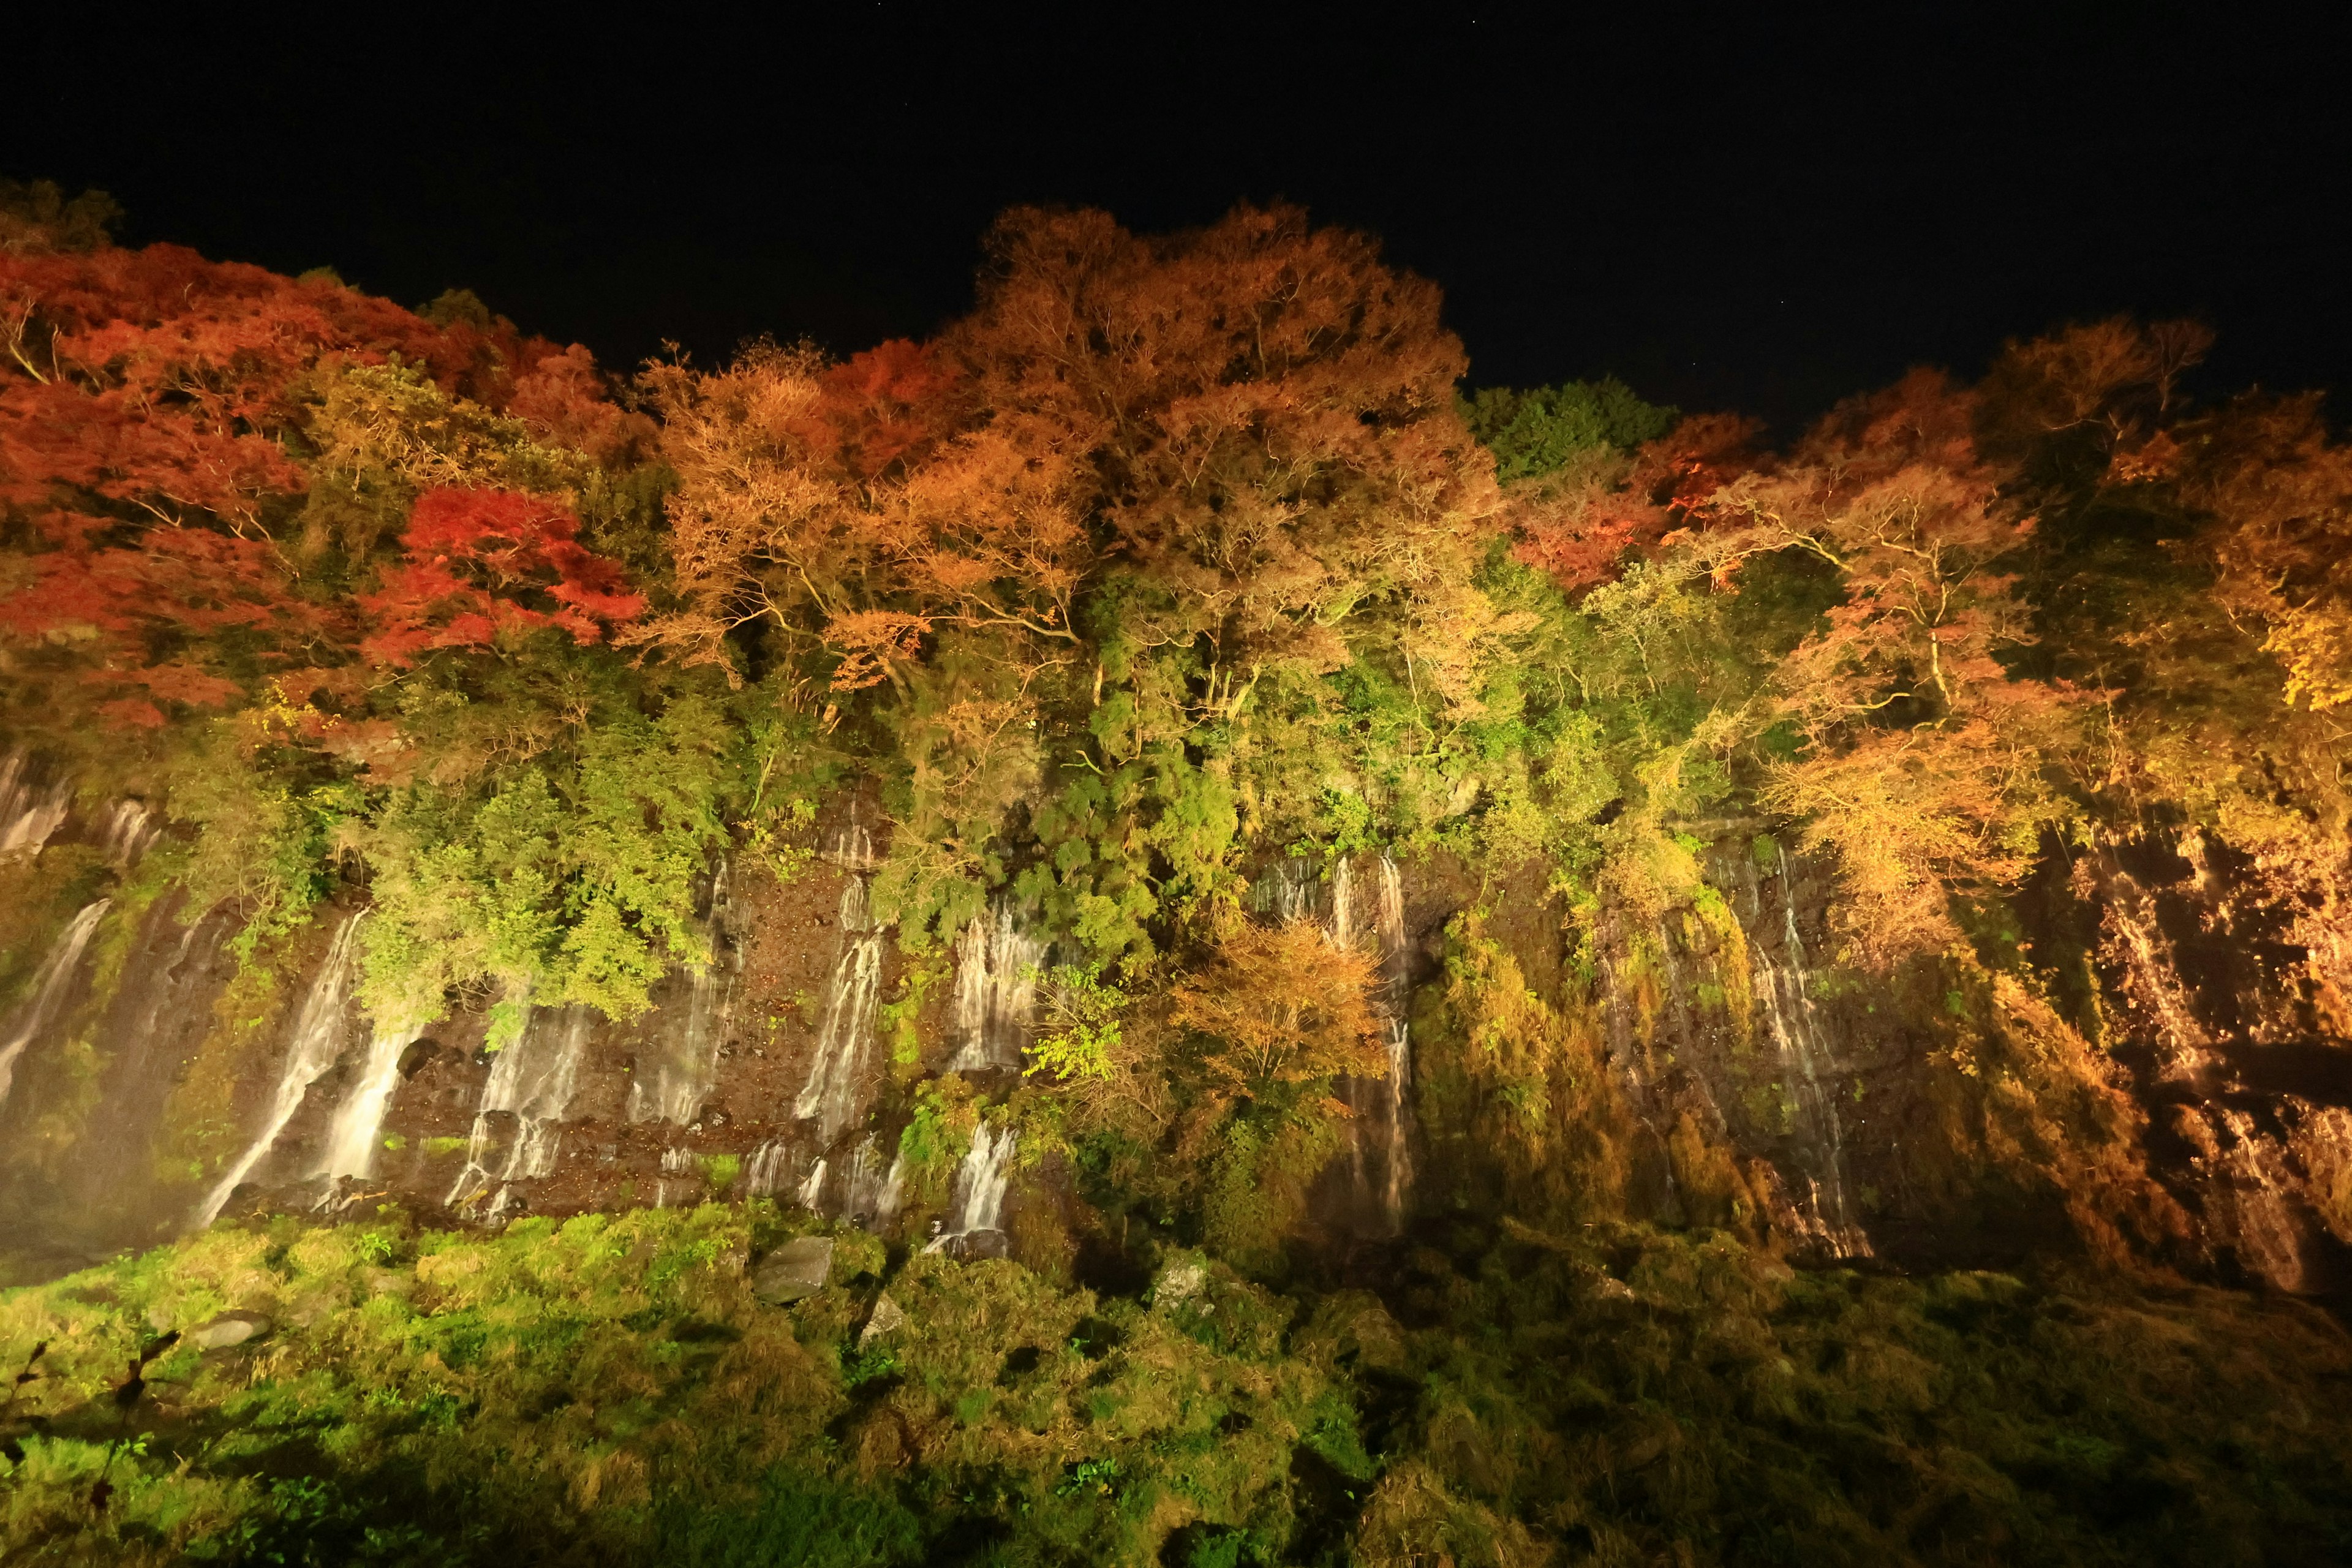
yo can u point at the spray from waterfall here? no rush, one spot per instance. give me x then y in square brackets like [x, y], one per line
[52, 983]
[996, 990]
[846, 1038]
[674, 1080]
[533, 1082]
[318, 1040]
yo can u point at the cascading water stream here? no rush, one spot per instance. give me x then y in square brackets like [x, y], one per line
[1805, 1061]
[977, 1203]
[52, 983]
[533, 1082]
[866, 1191]
[769, 1170]
[675, 1079]
[872, 1194]
[131, 828]
[2151, 979]
[318, 1032]
[844, 1039]
[996, 990]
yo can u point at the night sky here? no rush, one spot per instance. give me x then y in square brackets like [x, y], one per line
[1727, 206]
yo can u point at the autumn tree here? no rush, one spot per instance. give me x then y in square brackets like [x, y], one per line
[1281, 1006]
[1927, 762]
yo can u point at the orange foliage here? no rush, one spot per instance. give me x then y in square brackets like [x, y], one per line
[1282, 1006]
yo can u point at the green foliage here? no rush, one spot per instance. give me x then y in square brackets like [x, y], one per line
[1078, 1029]
[608, 1389]
[1548, 429]
[262, 837]
[572, 883]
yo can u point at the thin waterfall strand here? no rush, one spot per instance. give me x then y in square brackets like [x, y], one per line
[829, 1098]
[351, 1140]
[1804, 1054]
[29, 812]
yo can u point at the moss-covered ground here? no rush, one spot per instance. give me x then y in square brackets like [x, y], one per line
[609, 1389]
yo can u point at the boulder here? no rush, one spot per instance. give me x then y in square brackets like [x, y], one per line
[795, 1271]
[1179, 1283]
[228, 1329]
[887, 1316]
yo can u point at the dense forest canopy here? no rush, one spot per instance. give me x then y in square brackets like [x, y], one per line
[1172, 548]
[1178, 579]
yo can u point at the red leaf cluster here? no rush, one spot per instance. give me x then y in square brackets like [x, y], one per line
[473, 558]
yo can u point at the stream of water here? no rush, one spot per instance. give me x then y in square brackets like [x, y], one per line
[1379, 1160]
[29, 811]
[1808, 1077]
[846, 1038]
[45, 1005]
[674, 1077]
[995, 998]
[977, 1206]
[319, 1029]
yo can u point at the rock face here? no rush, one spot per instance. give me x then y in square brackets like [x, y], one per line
[228, 1329]
[795, 1271]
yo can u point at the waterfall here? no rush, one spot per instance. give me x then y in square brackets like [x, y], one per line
[2152, 981]
[844, 1041]
[1382, 1122]
[1396, 981]
[995, 990]
[851, 848]
[318, 1040]
[131, 828]
[1380, 1157]
[870, 1192]
[352, 1137]
[978, 1204]
[52, 983]
[770, 1168]
[865, 1192]
[2262, 1219]
[533, 1081]
[1286, 891]
[1805, 1061]
[672, 1084]
[29, 812]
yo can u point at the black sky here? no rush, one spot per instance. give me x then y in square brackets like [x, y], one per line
[1757, 207]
